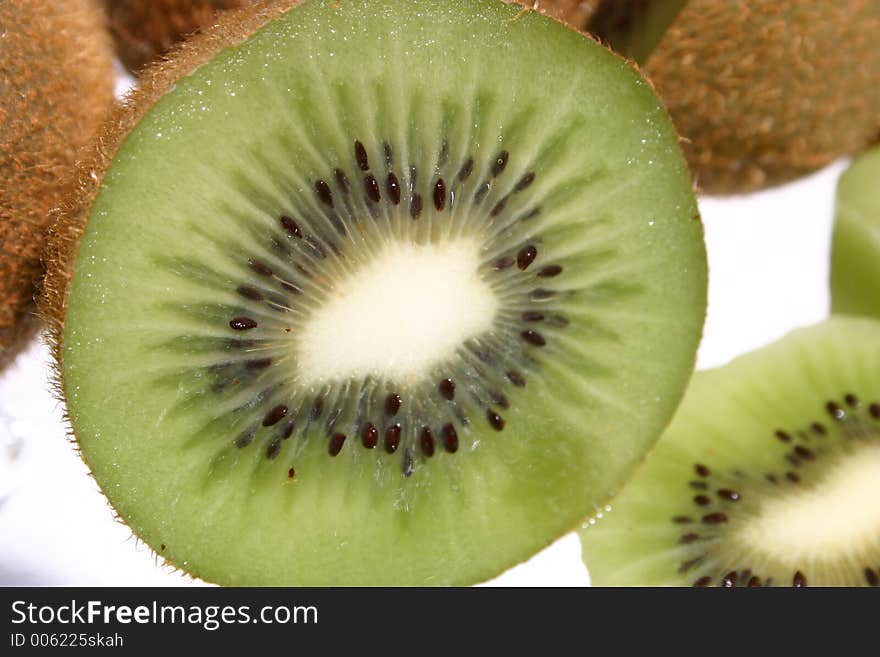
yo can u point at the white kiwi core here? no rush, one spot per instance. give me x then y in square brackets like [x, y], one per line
[395, 317]
[838, 518]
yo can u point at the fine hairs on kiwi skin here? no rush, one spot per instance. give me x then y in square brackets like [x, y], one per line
[762, 91]
[855, 250]
[145, 30]
[767, 475]
[536, 289]
[56, 85]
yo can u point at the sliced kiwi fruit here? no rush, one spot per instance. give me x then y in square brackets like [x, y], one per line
[855, 251]
[766, 477]
[56, 85]
[762, 91]
[352, 302]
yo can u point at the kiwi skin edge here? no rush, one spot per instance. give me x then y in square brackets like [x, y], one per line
[57, 85]
[61, 251]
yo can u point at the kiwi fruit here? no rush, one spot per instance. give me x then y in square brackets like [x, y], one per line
[56, 85]
[763, 91]
[145, 30]
[767, 475]
[349, 302]
[855, 250]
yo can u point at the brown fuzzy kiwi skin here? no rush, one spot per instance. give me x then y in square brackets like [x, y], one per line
[575, 13]
[69, 223]
[56, 87]
[768, 90]
[145, 30]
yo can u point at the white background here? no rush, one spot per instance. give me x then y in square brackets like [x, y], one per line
[768, 259]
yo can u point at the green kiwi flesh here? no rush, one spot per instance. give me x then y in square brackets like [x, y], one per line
[767, 475]
[855, 250]
[341, 141]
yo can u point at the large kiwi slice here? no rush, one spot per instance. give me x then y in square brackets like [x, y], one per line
[765, 90]
[767, 476]
[367, 296]
[56, 87]
[855, 252]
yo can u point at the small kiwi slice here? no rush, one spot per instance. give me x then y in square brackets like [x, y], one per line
[353, 303]
[766, 477]
[855, 251]
[56, 85]
[763, 91]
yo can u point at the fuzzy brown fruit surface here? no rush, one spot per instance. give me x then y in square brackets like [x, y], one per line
[763, 91]
[146, 29]
[56, 84]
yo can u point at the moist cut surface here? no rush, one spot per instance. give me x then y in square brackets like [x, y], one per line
[356, 305]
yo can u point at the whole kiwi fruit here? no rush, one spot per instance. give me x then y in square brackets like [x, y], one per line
[344, 300]
[56, 85]
[762, 91]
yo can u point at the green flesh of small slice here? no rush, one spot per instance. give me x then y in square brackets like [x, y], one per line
[855, 253]
[767, 475]
[572, 155]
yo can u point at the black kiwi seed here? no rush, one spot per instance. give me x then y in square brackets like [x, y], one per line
[250, 293]
[360, 154]
[729, 580]
[835, 411]
[415, 206]
[274, 449]
[450, 438]
[426, 440]
[503, 263]
[550, 271]
[392, 404]
[871, 577]
[370, 435]
[703, 581]
[526, 256]
[516, 379]
[500, 163]
[317, 407]
[440, 195]
[336, 443]
[291, 226]
[533, 337]
[525, 182]
[466, 170]
[392, 438]
[392, 187]
[275, 416]
[799, 580]
[324, 193]
[495, 420]
[245, 438]
[261, 268]
[702, 500]
[729, 495]
[874, 410]
[242, 323]
[447, 389]
[701, 470]
[714, 518]
[851, 400]
[371, 186]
